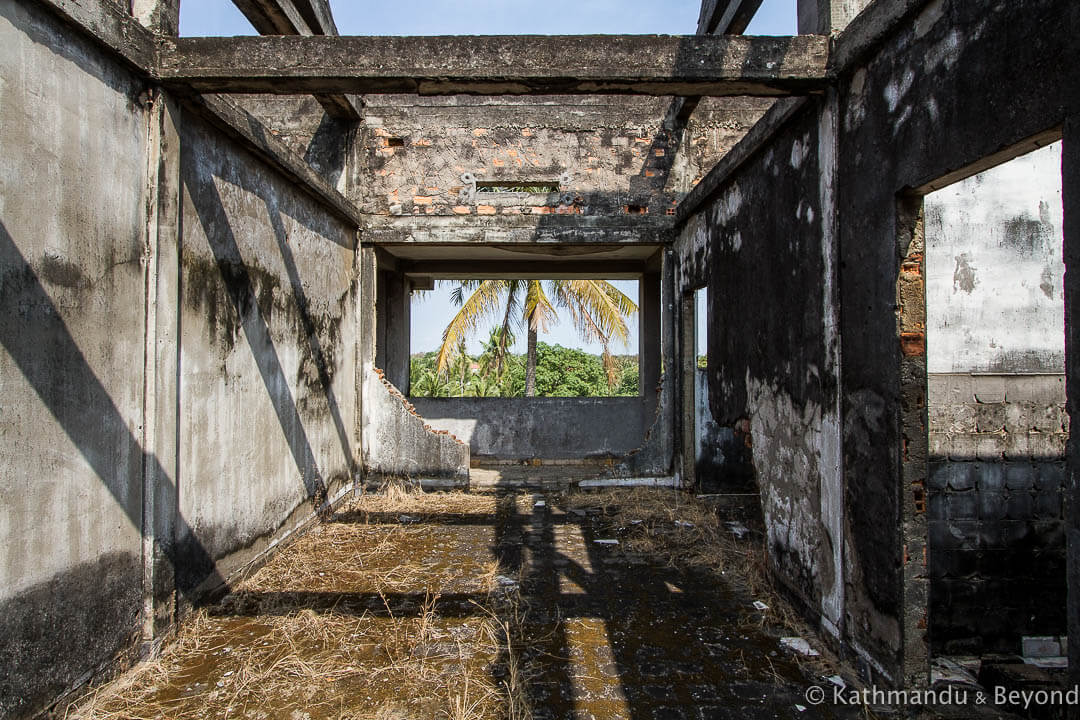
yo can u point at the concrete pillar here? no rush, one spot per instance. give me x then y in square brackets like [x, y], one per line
[649, 340]
[393, 304]
[162, 358]
[824, 17]
[1070, 184]
[687, 386]
[161, 16]
[398, 330]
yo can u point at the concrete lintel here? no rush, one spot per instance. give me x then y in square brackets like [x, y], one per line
[526, 269]
[759, 135]
[109, 25]
[501, 65]
[726, 17]
[542, 230]
[244, 127]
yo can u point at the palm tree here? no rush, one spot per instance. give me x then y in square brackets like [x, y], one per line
[597, 308]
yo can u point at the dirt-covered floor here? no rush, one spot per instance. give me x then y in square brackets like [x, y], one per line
[635, 604]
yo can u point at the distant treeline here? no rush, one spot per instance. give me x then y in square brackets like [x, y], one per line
[560, 372]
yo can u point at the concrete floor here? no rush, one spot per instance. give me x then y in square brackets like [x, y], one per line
[632, 604]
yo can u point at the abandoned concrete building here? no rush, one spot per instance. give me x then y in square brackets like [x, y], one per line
[208, 248]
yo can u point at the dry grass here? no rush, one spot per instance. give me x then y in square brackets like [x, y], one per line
[377, 614]
[344, 623]
[676, 529]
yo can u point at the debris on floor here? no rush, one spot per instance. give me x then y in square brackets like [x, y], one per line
[480, 608]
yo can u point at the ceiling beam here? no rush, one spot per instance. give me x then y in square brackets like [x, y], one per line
[501, 65]
[726, 17]
[538, 269]
[304, 18]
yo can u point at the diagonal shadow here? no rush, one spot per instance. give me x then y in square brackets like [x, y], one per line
[241, 291]
[52, 363]
[312, 334]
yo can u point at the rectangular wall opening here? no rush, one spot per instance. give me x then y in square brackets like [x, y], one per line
[525, 338]
[995, 404]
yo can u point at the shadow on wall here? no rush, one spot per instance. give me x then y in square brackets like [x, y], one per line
[241, 291]
[50, 657]
[82, 406]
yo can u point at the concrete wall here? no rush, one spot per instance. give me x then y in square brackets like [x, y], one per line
[396, 441]
[958, 84]
[547, 428]
[175, 400]
[267, 368]
[995, 273]
[994, 281]
[996, 514]
[72, 232]
[773, 375]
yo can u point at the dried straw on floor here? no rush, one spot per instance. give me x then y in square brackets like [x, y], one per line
[351, 620]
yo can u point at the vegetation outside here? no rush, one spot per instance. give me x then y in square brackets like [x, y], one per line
[560, 372]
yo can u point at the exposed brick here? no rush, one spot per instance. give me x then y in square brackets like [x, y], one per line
[913, 344]
[423, 200]
[462, 210]
[485, 210]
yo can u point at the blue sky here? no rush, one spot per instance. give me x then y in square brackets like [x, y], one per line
[431, 311]
[496, 17]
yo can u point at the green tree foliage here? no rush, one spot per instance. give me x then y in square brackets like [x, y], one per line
[560, 372]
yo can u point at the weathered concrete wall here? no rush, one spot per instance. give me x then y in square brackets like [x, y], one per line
[612, 153]
[267, 378]
[996, 520]
[994, 270]
[398, 442]
[960, 82]
[994, 275]
[546, 428]
[774, 374]
[72, 230]
[395, 441]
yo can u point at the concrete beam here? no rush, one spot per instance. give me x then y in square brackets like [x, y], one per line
[110, 26]
[726, 17]
[318, 15]
[245, 127]
[526, 269]
[274, 17]
[500, 65]
[300, 17]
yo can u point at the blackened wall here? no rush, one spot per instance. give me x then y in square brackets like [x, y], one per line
[772, 366]
[959, 82]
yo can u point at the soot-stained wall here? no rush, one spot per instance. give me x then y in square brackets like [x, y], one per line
[956, 84]
[996, 406]
[772, 365]
[268, 394]
[72, 228]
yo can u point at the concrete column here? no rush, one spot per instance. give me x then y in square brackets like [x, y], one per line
[161, 16]
[1070, 183]
[687, 386]
[162, 359]
[398, 328]
[824, 17]
[649, 334]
